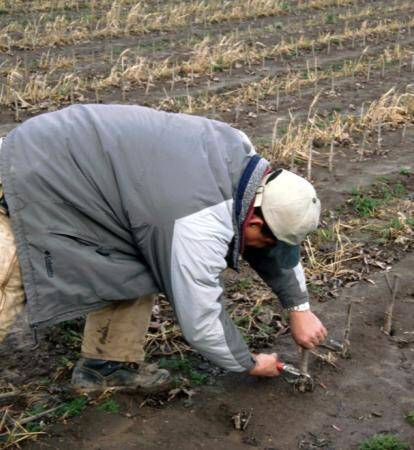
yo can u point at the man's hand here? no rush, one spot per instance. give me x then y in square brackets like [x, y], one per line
[265, 365]
[307, 329]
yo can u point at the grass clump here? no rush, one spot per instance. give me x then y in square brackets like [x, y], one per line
[73, 408]
[383, 442]
[366, 203]
[410, 417]
[405, 171]
[184, 366]
[110, 406]
[241, 285]
[330, 19]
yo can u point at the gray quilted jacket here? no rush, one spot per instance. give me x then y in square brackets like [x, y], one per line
[115, 202]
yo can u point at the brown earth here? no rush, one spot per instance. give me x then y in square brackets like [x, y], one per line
[369, 393]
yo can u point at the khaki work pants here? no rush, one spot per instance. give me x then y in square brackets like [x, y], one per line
[114, 333]
[117, 332]
[12, 297]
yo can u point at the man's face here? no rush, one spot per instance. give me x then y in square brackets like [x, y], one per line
[253, 236]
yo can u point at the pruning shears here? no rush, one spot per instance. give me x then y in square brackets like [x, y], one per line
[300, 381]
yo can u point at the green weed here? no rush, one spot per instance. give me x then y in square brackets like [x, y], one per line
[46, 381]
[386, 232]
[71, 332]
[242, 321]
[218, 65]
[325, 234]
[34, 410]
[184, 366]
[73, 408]
[244, 284]
[35, 426]
[109, 405]
[405, 171]
[66, 362]
[197, 378]
[410, 417]
[383, 442]
[397, 191]
[366, 203]
[316, 289]
[330, 19]
[285, 6]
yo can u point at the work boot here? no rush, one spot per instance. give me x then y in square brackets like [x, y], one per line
[97, 375]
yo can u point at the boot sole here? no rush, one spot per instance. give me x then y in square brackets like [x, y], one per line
[148, 390]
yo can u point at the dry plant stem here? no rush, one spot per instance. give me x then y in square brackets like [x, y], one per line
[331, 155]
[346, 344]
[292, 159]
[310, 152]
[8, 396]
[390, 307]
[277, 98]
[38, 416]
[363, 144]
[403, 133]
[379, 136]
[275, 135]
[17, 111]
[328, 359]
[304, 362]
[3, 419]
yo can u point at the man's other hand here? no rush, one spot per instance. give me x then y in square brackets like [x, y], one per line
[307, 329]
[265, 365]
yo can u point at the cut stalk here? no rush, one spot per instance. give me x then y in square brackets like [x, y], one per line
[304, 382]
[403, 133]
[379, 136]
[389, 311]
[310, 152]
[331, 155]
[17, 109]
[346, 344]
[277, 97]
[369, 70]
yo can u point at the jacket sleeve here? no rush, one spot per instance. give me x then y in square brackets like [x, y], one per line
[191, 282]
[283, 273]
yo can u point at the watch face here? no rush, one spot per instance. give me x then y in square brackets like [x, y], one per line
[302, 307]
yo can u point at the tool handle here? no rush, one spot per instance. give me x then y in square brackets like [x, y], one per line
[280, 366]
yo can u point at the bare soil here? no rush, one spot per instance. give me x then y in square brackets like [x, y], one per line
[369, 393]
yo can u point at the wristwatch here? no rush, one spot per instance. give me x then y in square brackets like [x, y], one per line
[302, 307]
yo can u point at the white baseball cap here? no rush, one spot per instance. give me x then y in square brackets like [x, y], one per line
[289, 206]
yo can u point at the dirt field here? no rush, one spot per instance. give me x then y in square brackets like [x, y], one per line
[323, 87]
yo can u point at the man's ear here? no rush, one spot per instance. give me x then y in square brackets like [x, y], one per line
[255, 221]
